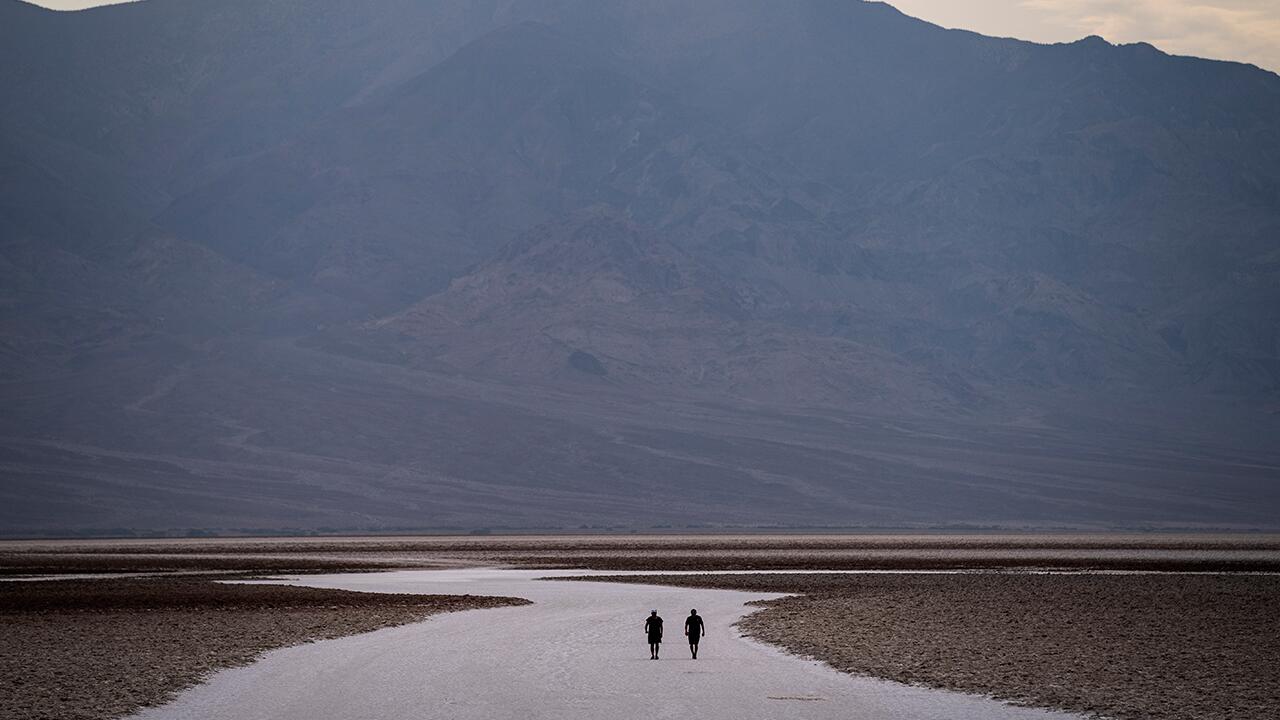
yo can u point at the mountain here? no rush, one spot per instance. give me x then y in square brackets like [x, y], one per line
[401, 194]
[595, 298]
[540, 264]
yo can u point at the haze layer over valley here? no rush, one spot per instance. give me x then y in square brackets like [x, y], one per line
[424, 265]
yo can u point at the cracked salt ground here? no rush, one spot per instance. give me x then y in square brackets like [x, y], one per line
[578, 652]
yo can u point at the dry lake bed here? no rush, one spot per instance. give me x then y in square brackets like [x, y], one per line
[899, 626]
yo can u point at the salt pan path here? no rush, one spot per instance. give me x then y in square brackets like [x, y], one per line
[578, 652]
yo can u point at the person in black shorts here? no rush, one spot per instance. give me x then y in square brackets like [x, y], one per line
[694, 629]
[653, 628]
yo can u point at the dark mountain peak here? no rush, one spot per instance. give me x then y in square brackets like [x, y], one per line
[1145, 47]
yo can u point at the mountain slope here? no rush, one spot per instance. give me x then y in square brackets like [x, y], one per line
[399, 195]
[401, 263]
[593, 298]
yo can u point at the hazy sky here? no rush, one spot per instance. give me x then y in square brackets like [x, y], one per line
[1247, 30]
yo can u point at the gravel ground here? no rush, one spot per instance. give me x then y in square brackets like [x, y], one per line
[72, 650]
[1141, 551]
[1150, 646]
[1193, 647]
[39, 564]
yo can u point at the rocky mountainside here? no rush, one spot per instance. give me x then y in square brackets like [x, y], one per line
[450, 263]
[593, 299]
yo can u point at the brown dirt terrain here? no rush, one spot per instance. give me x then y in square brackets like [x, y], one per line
[1167, 647]
[1149, 646]
[1094, 551]
[93, 649]
[23, 565]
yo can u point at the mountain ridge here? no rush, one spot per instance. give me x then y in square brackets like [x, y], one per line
[476, 263]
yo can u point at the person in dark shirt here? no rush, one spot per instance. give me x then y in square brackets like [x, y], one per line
[694, 629]
[653, 628]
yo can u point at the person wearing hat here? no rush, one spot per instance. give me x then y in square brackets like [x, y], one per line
[653, 628]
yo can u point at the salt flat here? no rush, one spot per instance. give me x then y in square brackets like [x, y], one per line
[578, 652]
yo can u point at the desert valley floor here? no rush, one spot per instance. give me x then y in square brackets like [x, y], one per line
[892, 625]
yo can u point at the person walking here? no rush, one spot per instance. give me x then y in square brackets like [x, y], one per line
[694, 629]
[653, 629]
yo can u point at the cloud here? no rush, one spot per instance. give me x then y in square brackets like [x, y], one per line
[1245, 30]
